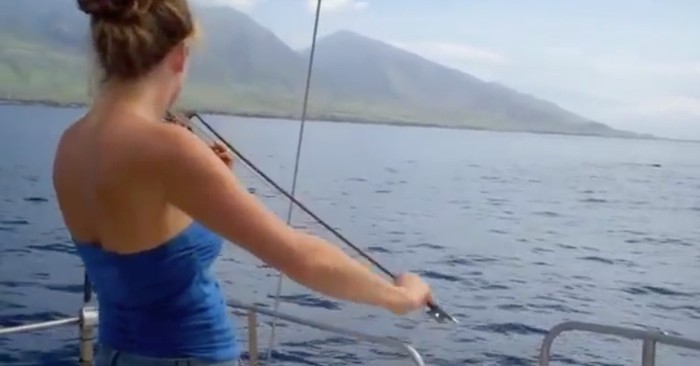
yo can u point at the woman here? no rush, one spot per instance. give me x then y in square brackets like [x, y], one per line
[146, 201]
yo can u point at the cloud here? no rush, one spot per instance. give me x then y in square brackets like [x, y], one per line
[636, 67]
[338, 6]
[668, 105]
[450, 52]
[242, 5]
[564, 51]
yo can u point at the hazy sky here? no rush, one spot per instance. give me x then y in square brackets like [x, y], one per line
[633, 64]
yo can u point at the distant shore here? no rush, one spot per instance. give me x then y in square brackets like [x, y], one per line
[344, 119]
[262, 115]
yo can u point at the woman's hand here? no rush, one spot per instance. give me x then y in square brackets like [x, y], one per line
[417, 293]
[222, 152]
[179, 119]
[183, 120]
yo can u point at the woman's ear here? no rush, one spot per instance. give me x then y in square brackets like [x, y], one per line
[178, 58]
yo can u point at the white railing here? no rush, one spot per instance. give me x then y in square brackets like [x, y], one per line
[650, 338]
[39, 326]
[88, 319]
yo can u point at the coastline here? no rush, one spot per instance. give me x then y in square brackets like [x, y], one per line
[262, 115]
[355, 120]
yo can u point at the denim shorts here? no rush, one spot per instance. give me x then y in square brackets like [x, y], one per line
[106, 356]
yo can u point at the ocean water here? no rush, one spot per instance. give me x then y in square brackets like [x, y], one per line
[516, 232]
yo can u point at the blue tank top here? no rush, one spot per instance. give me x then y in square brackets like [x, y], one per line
[163, 302]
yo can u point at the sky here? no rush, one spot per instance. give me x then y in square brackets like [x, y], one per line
[632, 64]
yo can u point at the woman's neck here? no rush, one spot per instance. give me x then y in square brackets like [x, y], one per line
[143, 97]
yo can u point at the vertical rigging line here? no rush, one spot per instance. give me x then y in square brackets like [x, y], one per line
[300, 141]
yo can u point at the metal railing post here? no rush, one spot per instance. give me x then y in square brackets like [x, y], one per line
[649, 352]
[88, 322]
[253, 337]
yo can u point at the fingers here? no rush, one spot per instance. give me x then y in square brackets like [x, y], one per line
[183, 120]
[430, 299]
[222, 152]
[179, 120]
[219, 147]
[226, 158]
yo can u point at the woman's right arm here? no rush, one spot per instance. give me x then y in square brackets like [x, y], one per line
[196, 181]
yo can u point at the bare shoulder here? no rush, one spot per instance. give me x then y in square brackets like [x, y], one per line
[148, 145]
[64, 148]
[166, 144]
[66, 137]
[125, 147]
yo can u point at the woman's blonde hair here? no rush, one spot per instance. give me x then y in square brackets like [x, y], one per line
[131, 37]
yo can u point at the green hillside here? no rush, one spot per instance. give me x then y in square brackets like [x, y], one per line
[243, 68]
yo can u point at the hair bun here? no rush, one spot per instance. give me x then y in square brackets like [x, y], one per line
[119, 10]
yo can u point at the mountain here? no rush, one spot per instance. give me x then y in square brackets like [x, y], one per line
[38, 57]
[372, 72]
[243, 68]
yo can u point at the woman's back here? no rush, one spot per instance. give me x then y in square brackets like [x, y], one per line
[105, 184]
[149, 262]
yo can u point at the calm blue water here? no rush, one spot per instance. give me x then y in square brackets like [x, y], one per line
[516, 232]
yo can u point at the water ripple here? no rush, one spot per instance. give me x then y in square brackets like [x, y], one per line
[439, 276]
[14, 222]
[310, 301]
[54, 247]
[656, 290]
[511, 328]
[36, 199]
